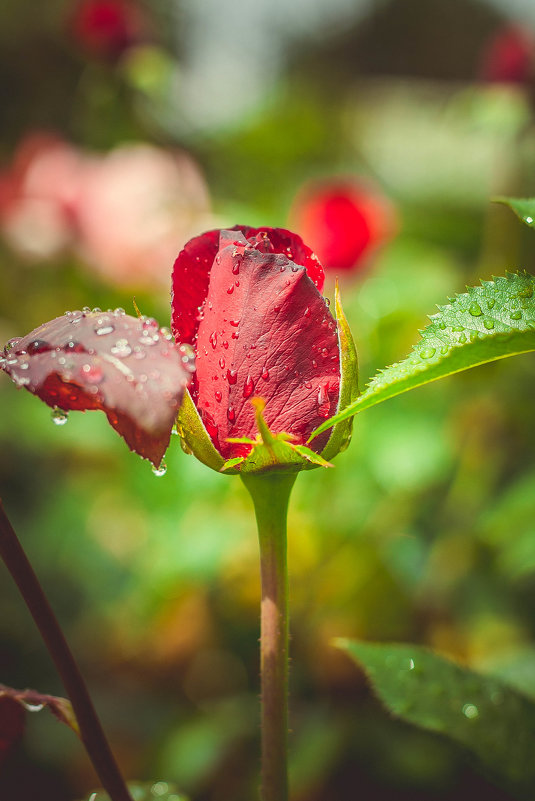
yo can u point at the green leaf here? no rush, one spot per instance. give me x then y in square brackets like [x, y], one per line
[523, 207]
[489, 322]
[495, 722]
[153, 791]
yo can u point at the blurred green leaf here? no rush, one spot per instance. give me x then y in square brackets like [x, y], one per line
[153, 791]
[489, 322]
[523, 207]
[494, 722]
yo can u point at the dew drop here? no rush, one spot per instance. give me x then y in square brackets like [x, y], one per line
[475, 310]
[488, 323]
[139, 353]
[276, 309]
[119, 311]
[96, 310]
[33, 707]
[528, 220]
[166, 333]
[59, 417]
[161, 470]
[248, 387]
[516, 314]
[234, 323]
[265, 374]
[470, 711]
[92, 373]
[38, 346]
[232, 376]
[225, 344]
[427, 353]
[213, 339]
[231, 414]
[121, 348]
[222, 363]
[230, 290]
[218, 397]
[307, 312]
[236, 267]
[442, 325]
[103, 330]
[86, 310]
[463, 338]
[490, 303]
[12, 343]
[187, 356]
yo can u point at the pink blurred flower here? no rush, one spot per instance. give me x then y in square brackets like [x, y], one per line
[106, 28]
[138, 205]
[38, 196]
[509, 56]
[344, 221]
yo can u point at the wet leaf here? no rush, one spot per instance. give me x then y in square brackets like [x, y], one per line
[489, 322]
[127, 367]
[523, 207]
[33, 701]
[493, 721]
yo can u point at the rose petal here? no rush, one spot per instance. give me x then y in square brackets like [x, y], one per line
[126, 366]
[191, 272]
[272, 336]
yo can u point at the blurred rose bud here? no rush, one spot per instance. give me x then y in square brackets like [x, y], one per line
[38, 196]
[106, 28]
[138, 205]
[343, 221]
[509, 57]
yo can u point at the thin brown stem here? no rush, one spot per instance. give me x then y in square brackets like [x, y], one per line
[91, 732]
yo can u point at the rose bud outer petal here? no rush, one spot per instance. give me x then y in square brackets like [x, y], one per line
[191, 272]
[272, 336]
[126, 366]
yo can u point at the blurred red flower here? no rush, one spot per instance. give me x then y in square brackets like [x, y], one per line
[343, 220]
[509, 56]
[249, 300]
[106, 28]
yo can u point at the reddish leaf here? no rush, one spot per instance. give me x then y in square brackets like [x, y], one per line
[191, 272]
[126, 366]
[15, 703]
[265, 331]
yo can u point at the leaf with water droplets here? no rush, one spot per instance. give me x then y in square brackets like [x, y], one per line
[12, 723]
[148, 791]
[111, 361]
[523, 207]
[493, 721]
[488, 322]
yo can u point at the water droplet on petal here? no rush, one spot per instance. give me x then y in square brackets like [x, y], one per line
[86, 310]
[231, 414]
[307, 312]
[38, 346]
[230, 290]
[92, 373]
[59, 417]
[234, 323]
[265, 374]
[103, 330]
[96, 310]
[161, 470]
[213, 339]
[248, 387]
[12, 343]
[218, 397]
[232, 376]
[475, 310]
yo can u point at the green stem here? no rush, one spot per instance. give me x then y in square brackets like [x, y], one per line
[91, 732]
[270, 493]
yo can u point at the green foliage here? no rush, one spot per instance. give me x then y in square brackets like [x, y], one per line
[154, 791]
[488, 322]
[523, 207]
[493, 721]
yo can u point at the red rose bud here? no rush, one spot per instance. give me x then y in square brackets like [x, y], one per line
[126, 366]
[509, 57]
[106, 28]
[344, 221]
[249, 301]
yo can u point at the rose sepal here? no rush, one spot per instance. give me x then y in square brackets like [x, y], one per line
[194, 437]
[271, 451]
[349, 387]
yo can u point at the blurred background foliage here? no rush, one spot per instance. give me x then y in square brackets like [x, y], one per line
[129, 127]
